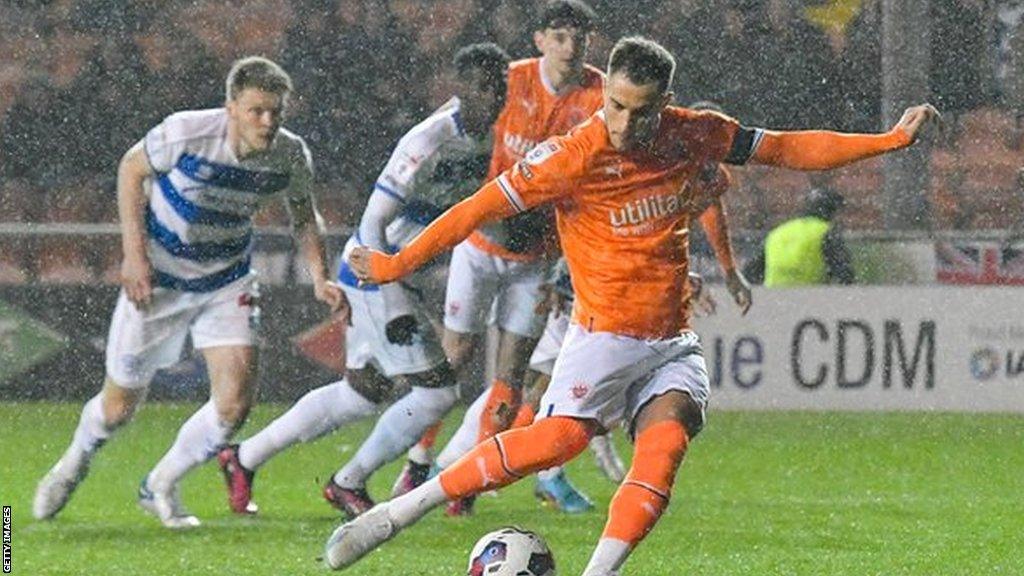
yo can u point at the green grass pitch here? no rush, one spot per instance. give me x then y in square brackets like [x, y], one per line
[760, 494]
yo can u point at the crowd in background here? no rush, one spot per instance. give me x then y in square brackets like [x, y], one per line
[81, 80]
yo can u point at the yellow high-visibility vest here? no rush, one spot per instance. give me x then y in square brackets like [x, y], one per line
[793, 253]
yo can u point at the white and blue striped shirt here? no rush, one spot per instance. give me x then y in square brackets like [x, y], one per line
[202, 198]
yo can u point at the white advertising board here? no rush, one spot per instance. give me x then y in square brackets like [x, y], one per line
[868, 348]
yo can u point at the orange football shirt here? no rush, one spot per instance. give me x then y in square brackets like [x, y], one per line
[534, 112]
[623, 218]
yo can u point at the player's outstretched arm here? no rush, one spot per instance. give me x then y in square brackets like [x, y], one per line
[455, 225]
[824, 150]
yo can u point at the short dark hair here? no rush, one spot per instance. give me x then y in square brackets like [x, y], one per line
[567, 13]
[642, 61]
[257, 72]
[487, 57]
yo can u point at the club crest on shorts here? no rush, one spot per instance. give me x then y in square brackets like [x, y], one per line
[454, 308]
[131, 364]
[580, 389]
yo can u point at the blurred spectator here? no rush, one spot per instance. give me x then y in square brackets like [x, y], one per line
[806, 250]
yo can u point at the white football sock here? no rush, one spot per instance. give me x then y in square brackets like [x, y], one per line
[399, 427]
[466, 436]
[91, 433]
[414, 504]
[550, 473]
[608, 557]
[92, 428]
[199, 439]
[318, 412]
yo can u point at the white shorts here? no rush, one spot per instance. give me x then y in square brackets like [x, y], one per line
[366, 341]
[609, 377]
[144, 341]
[544, 355]
[478, 282]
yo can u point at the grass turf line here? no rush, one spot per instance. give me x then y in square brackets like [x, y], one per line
[760, 494]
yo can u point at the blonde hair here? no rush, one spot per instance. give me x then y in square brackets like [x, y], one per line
[257, 72]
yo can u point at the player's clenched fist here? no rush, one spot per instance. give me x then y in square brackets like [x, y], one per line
[136, 279]
[367, 265]
[915, 117]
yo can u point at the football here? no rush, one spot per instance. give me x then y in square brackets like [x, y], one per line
[511, 552]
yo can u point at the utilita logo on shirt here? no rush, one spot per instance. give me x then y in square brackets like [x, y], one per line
[636, 217]
[518, 145]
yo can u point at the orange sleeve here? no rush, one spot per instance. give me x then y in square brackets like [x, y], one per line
[823, 150]
[716, 228]
[490, 203]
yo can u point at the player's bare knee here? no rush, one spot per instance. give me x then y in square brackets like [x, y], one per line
[513, 357]
[119, 403]
[233, 412]
[458, 348]
[674, 405]
[117, 413]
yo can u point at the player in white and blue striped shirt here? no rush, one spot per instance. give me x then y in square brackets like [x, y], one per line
[436, 164]
[186, 196]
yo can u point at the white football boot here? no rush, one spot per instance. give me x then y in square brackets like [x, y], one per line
[56, 488]
[607, 458]
[356, 538]
[166, 506]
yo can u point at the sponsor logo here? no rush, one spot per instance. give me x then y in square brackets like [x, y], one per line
[246, 300]
[518, 145]
[988, 363]
[984, 364]
[641, 211]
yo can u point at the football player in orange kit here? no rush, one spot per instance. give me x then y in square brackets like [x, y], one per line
[622, 186]
[501, 266]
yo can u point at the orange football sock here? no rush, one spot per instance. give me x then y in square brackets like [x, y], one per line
[524, 417]
[502, 403]
[645, 492]
[514, 454]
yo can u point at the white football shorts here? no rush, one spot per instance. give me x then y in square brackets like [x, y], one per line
[141, 342]
[610, 377]
[481, 286]
[366, 342]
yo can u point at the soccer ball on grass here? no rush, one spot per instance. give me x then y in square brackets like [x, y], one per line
[511, 552]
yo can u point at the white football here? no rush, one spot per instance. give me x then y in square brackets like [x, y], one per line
[511, 552]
